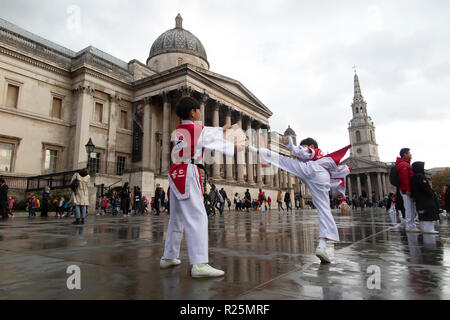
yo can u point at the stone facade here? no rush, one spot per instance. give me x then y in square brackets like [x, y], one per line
[52, 100]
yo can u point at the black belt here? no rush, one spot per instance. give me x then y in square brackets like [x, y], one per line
[201, 167]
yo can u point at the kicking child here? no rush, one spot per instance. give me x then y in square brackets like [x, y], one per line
[320, 174]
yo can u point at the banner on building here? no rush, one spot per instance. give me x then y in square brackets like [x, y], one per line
[138, 132]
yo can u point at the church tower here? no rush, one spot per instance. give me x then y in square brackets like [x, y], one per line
[361, 128]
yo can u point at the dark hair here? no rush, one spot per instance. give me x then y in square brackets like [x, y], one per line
[2, 180]
[403, 152]
[308, 142]
[184, 107]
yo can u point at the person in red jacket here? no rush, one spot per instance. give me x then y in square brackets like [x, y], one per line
[405, 174]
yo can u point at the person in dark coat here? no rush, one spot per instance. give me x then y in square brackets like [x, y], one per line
[3, 199]
[446, 198]
[45, 202]
[125, 199]
[424, 198]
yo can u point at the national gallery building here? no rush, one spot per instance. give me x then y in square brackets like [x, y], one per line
[54, 100]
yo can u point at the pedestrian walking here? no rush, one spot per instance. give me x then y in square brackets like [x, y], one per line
[3, 199]
[269, 202]
[11, 206]
[114, 203]
[45, 201]
[247, 200]
[405, 173]
[280, 201]
[80, 187]
[125, 199]
[287, 201]
[138, 201]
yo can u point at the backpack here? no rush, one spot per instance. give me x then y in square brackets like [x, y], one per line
[219, 195]
[394, 179]
[74, 185]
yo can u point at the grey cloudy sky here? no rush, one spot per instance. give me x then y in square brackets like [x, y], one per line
[296, 56]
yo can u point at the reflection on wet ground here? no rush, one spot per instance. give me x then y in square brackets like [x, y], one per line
[265, 256]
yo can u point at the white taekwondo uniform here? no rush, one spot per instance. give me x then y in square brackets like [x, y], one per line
[320, 174]
[187, 211]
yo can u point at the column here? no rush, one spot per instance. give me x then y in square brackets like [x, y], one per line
[217, 155]
[228, 160]
[146, 143]
[275, 178]
[112, 131]
[358, 182]
[166, 134]
[268, 170]
[84, 111]
[380, 188]
[369, 187]
[285, 180]
[259, 181]
[349, 185]
[240, 157]
[384, 185]
[203, 100]
[251, 157]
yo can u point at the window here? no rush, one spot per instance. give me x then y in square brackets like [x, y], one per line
[51, 160]
[357, 110]
[12, 96]
[94, 162]
[358, 136]
[179, 61]
[120, 165]
[6, 156]
[56, 108]
[123, 119]
[359, 150]
[371, 136]
[98, 112]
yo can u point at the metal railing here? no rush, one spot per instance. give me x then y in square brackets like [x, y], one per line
[54, 181]
[103, 167]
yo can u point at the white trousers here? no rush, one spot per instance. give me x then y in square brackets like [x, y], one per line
[410, 211]
[317, 179]
[188, 215]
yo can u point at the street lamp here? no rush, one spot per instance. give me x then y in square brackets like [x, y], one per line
[89, 149]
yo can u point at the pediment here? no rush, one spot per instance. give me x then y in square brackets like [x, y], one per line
[358, 163]
[234, 87]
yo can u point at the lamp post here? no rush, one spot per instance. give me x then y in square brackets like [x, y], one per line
[89, 149]
[159, 138]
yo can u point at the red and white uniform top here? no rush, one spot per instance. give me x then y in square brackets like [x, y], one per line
[190, 140]
[330, 162]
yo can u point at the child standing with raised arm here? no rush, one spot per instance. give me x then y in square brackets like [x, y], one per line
[187, 212]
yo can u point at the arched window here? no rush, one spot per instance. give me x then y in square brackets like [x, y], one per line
[361, 109]
[358, 136]
[356, 110]
[371, 136]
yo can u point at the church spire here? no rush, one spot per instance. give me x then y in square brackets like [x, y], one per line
[357, 96]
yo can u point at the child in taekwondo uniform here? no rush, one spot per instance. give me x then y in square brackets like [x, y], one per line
[187, 212]
[320, 174]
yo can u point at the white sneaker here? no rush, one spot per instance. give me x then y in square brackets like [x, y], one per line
[413, 230]
[321, 253]
[167, 263]
[206, 271]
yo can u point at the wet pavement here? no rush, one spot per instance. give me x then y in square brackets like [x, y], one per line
[265, 256]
